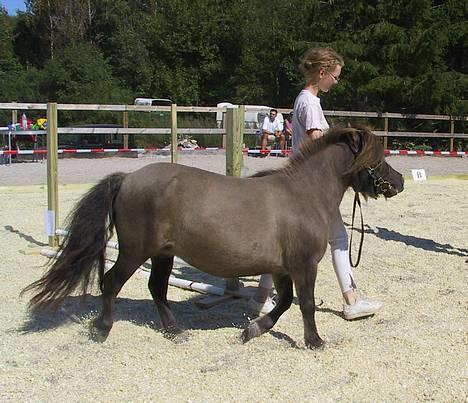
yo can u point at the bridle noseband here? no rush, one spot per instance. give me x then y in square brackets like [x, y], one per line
[382, 187]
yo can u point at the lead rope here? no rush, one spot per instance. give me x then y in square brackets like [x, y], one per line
[356, 202]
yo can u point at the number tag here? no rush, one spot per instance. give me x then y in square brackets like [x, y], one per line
[419, 175]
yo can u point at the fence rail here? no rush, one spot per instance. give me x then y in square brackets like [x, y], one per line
[209, 131]
[204, 109]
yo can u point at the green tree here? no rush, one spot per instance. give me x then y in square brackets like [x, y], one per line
[16, 83]
[80, 74]
[10, 69]
[404, 55]
[119, 31]
[185, 41]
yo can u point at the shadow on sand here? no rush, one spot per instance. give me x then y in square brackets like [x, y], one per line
[410, 240]
[141, 312]
[24, 236]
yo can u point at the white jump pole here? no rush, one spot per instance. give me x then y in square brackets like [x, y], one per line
[174, 281]
[115, 245]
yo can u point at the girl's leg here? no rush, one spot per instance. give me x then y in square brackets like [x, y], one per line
[338, 240]
[354, 307]
[264, 287]
[261, 301]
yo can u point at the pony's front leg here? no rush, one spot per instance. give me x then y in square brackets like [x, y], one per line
[305, 286]
[284, 288]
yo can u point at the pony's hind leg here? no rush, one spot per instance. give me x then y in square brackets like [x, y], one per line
[113, 281]
[161, 267]
[284, 288]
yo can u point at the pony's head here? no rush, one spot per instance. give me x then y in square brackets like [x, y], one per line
[370, 174]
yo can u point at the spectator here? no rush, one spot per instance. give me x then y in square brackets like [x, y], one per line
[272, 126]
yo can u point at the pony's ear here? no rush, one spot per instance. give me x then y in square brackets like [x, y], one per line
[355, 141]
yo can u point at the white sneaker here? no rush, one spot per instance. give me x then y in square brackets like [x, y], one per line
[361, 308]
[261, 308]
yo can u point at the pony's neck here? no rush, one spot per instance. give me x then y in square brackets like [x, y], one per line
[327, 169]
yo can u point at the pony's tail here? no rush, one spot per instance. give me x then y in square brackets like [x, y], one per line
[89, 225]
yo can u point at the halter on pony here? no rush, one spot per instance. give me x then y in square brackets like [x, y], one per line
[382, 187]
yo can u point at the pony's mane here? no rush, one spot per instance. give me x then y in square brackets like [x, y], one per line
[369, 153]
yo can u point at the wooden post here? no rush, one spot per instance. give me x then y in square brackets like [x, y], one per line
[174, 140]
[223, 140]
[234, 139]
[52, 182]
[385, 141]
[452, 133]
[14, 116]
[125, 125]
[14, 120]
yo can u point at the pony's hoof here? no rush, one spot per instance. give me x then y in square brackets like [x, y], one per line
[98, 334]
[315, 344]
[251, 331]
[175, 334]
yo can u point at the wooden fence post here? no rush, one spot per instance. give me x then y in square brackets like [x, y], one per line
[52, 182]
[452, 133]
[174, 140]
[385, 140]
[125, 125]
[14, 120]
[223, 139]
[234, 138]
[14, 116]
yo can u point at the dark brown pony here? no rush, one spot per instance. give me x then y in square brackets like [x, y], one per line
[225, 226]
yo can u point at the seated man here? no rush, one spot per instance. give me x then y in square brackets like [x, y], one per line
[272, 126]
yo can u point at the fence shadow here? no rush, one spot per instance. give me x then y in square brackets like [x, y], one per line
[410, 240]
[24, 236]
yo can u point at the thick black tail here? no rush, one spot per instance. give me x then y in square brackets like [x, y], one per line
[89, 225]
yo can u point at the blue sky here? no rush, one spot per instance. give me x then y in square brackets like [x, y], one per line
[12, 5]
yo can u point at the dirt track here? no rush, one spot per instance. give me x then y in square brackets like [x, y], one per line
[415, 260]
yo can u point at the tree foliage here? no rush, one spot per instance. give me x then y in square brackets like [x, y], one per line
[400, 56]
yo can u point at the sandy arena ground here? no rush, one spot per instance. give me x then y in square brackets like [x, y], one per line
[415, 260]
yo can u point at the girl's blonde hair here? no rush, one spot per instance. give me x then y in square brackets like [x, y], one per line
[319, 58]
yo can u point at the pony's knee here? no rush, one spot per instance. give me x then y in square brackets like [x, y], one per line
[307, 307]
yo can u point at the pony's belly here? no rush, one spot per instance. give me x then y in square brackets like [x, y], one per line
[233, 266]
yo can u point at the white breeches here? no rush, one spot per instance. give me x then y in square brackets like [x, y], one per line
[338, 240]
